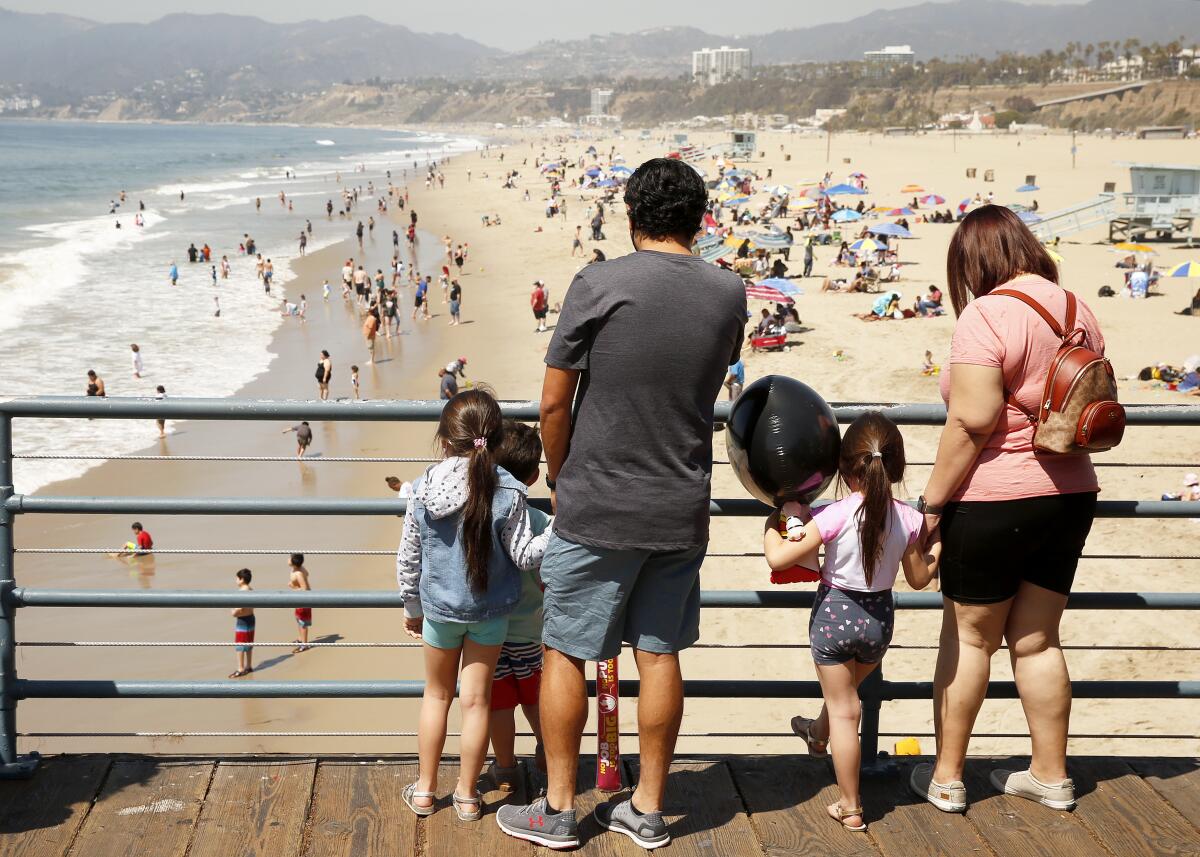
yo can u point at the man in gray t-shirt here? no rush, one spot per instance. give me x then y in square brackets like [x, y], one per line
[641, 348]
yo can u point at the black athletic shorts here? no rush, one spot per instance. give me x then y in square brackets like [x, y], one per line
[990, 548]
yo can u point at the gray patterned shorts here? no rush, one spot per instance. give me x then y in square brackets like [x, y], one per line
[850, 626]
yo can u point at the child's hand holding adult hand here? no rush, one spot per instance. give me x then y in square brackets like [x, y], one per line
[412, 626]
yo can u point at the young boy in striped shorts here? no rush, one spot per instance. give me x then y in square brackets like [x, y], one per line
[518, 675]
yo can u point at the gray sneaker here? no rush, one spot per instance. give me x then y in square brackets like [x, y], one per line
[532, 823]
[1022, 784]
[646, 829]
[948, 797]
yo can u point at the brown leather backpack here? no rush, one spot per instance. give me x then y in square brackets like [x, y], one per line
[1079, 412]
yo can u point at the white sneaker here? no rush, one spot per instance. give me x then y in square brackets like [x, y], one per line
[948, 797]
[1023, 784]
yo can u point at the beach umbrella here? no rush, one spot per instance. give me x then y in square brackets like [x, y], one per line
[842, 189]
[1186, 269]
[933, 199]
[734, 200]
[732, 240]
[606, 183]
[866, 245]
[858, 175]
[550, 166]
[709, 240]
[713, 252]
[912, 188]
[890, 229]
[1129, 247]
[962, 206]
[622, 169]
[1027, 188]
[593, 172]
[898, 212]
[779, 190]
[804, 204]
[766, 293]
[771, 240]
[618, 159]
[786, 286]
[845, 215]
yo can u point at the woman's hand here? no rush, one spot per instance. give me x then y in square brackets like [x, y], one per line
[412, 626]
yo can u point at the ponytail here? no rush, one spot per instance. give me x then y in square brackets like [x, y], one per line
[872, 456]
[471, 426]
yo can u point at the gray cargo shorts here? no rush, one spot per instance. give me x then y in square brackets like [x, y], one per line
[598, 597]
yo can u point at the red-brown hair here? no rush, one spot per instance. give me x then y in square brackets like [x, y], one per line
[872, 457]
[990, 248]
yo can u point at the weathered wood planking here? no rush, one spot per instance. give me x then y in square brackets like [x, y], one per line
[446, 836]
[357, 810]
[255, 808]
[1177, 780]
[40, 816]
[1128, 815]
[903, 825]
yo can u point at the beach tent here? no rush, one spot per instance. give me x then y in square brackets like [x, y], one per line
[1027, 188]
[766, 293]
[845, 215]
[892, 229]
[844, 188]
[1186, 269]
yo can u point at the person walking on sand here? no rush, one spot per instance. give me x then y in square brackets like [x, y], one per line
[614, 573]
[370, 329]
[160, 393]
[137, 360]
[455, 303]
[304, 437]
[539, 304]
[354, 382]
[577, 243]
[243, 629]
[298, 579]
[324, 375]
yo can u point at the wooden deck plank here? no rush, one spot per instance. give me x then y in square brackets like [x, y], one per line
[255, 808]
[704, 813]
[1014, 826]
[145, 800]
[786, 797]
[40, 816]
[903, 825]
[1177, 780]
[1125, 813]
[357, 810]
[594, 840]
[446, 836]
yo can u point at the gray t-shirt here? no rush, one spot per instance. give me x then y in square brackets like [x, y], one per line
[653, 335]
[303, 434]
[449, 387]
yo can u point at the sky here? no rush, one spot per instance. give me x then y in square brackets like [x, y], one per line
[507, 24]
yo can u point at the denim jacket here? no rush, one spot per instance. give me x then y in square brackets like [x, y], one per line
[431, 563]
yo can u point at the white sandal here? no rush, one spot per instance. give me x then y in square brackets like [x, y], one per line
[839, 814]
[410, 794]
[465, 814]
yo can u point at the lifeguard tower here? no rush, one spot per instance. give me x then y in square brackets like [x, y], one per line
[1163, 201]
[743, 145]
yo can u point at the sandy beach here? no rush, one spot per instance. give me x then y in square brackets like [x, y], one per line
[843, 358]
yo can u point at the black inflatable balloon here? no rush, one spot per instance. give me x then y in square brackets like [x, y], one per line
[783, 441]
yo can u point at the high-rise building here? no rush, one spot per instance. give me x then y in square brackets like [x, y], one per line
[717, 65]
[883, 62]
[601, 99]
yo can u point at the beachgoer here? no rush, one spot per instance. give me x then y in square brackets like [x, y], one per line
[137, 360]
[421, 297]
[867, 536]
[140, 544]
[612, 573]
[467, 536]
[354, 383]
[577, 242]
[95, 385]
[455, 303]
[243, 629]
[1013, 523]
[298, 579]
[448, 386]
[369, 329]
[304, 437]
[540, 305]
[160, 392]
[736, 379]
[324, 375]
[173, 274]
[518, 675]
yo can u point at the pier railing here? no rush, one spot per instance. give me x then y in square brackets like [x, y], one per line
[14, 597]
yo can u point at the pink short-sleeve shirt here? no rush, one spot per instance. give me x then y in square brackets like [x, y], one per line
[1002, 332]
[843, 568]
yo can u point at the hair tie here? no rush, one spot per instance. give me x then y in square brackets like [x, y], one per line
[480, 442]
[877, 454]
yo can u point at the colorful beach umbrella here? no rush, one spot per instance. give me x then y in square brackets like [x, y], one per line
[592, 171]
[804, 204]
[933, 199]
[766, 293]
[1130, 247]
[1186, 269]
[898, 212]
[912, 188]
[786, 286]
[845, 215]
[893, 229]
[714, 252]
[622, 169]
[734, 200]
[842, 189]
[858, 175]
[866, 245]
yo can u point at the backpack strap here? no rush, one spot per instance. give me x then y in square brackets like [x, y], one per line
[1059, 331]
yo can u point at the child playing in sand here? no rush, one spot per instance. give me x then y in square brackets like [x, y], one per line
[243, 629]
[298, 579]
[518, 675]
[867, 537]
[467, 531]
[928, 367]
[354, 384]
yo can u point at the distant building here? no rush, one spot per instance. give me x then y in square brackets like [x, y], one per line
[601, 98]
[883, 63]
[712, 66]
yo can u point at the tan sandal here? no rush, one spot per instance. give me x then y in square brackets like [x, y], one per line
[460, 804]
[817, 747]
[409, 796]
[840, 814]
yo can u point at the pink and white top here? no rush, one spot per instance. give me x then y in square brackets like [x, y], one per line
[1002, 332]
[843, 568]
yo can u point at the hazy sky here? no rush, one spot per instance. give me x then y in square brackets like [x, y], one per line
[509, 24]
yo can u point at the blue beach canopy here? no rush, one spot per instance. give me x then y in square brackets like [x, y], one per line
[845, 215]
[890, 229]
[844, 188]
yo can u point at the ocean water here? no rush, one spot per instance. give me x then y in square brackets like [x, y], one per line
[76, 291]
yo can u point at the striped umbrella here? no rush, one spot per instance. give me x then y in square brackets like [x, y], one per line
[759, 292]
[898, 212]
[713, 252]
[786, 286]
[866, 245]
[1129, 247]
[933, 199]
[1186, 269]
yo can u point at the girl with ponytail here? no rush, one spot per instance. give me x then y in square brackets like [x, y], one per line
[466, 534]
[868, 536]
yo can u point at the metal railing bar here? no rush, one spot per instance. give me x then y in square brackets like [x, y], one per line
[382, 734]
[22, 596]
[738, 507]
[696, 688]
[118, 407]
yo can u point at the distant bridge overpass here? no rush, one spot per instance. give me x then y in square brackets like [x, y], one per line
[1100, 93]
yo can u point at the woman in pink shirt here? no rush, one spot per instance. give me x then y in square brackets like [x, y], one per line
[1013, 521]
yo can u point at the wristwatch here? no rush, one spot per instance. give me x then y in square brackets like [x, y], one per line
[925, 509]
[551, 484]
